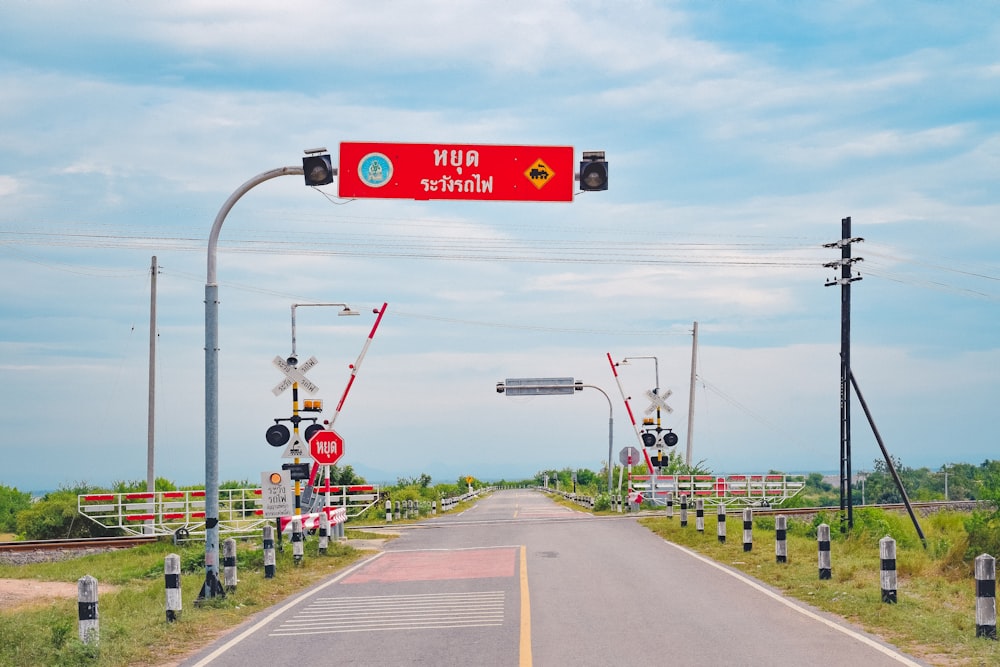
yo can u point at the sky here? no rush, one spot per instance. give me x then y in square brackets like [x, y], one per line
[738, 136]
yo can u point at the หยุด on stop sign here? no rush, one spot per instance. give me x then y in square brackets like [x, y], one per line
[326, 447]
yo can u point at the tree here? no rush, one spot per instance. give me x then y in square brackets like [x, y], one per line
[12, 501]
[423, 481]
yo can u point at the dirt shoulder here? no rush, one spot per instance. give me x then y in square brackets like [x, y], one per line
[16, 593]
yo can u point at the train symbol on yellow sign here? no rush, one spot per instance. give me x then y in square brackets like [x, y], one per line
[539, 173]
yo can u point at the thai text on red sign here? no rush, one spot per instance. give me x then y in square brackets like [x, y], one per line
[456, 171]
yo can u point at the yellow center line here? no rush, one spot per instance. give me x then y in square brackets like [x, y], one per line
[525, 612]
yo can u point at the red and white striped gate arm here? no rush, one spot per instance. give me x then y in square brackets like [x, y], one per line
[354, 372]
[628, 408]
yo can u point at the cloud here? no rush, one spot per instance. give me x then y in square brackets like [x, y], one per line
[8, 186]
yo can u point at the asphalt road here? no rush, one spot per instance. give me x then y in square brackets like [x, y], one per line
[519, 580]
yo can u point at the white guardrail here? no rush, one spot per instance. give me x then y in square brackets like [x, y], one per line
[716, 489]
[166, 512]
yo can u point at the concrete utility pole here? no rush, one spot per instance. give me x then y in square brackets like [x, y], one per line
[151, 407]
[694, 374]
[846, 278]
[151, 410]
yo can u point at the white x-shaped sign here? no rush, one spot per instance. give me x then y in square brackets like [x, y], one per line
[295, 374]
[658, 401]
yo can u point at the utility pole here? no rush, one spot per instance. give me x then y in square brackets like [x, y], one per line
[846, 278]
[151, 407]
[151, 410]
[694, 374]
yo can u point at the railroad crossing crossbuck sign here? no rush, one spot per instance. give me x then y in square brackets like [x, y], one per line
[658, 402]
[295, 374]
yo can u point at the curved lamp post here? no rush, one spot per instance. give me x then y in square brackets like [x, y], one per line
[212, 587]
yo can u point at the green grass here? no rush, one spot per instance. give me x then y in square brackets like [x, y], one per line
[934, 618]
[132, 603]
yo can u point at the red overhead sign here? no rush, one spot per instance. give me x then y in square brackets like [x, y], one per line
[456, 171]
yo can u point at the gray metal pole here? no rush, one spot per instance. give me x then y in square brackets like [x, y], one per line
[611, 437]
[611, 429]
[212, 586]
[151, 409]
[694, 362]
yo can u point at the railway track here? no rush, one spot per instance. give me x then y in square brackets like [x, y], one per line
[921, 507]
[73, 545]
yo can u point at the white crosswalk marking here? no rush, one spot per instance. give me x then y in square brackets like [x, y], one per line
[431, 611]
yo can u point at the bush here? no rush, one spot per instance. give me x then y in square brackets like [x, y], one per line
[12, 501]
[602, 503]
[55, 517]
[984, 534]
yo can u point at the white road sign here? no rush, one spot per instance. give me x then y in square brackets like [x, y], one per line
[295, 374]
[296, 449]
[276, 494]
[658, 401]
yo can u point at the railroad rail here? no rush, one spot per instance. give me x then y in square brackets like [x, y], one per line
[925, 508]
[77, 544]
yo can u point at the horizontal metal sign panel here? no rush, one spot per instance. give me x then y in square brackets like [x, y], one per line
[539, 386]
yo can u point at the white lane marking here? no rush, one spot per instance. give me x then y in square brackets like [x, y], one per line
[885, 650]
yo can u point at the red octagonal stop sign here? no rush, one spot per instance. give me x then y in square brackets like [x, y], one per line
[326, 447]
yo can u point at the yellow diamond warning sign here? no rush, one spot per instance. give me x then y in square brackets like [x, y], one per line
[539, 173]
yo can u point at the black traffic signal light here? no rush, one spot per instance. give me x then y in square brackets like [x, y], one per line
[312, 430]
[317, 169]
[648, 439]
[593, 172]
[670, 439]
[278, 435]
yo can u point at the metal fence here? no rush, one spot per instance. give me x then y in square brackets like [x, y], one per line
[167, 512]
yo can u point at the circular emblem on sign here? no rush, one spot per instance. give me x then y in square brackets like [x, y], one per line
[375, 170]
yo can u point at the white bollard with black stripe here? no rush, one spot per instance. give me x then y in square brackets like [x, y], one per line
[781, 539]
[269, 560]
[747, 529]
[699, 515]
[721, 517]
[684, 511]
[434, 508]
[87, 614]
[670, 504]
[298, 545]
[887, 570]
[229, 564]
[324, 531]
[986, 596]
[172, 580]
[823, 540]
[388, 511]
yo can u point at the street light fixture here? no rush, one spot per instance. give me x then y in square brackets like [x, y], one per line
[345, 311]
[656, 363]
[555, 386]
